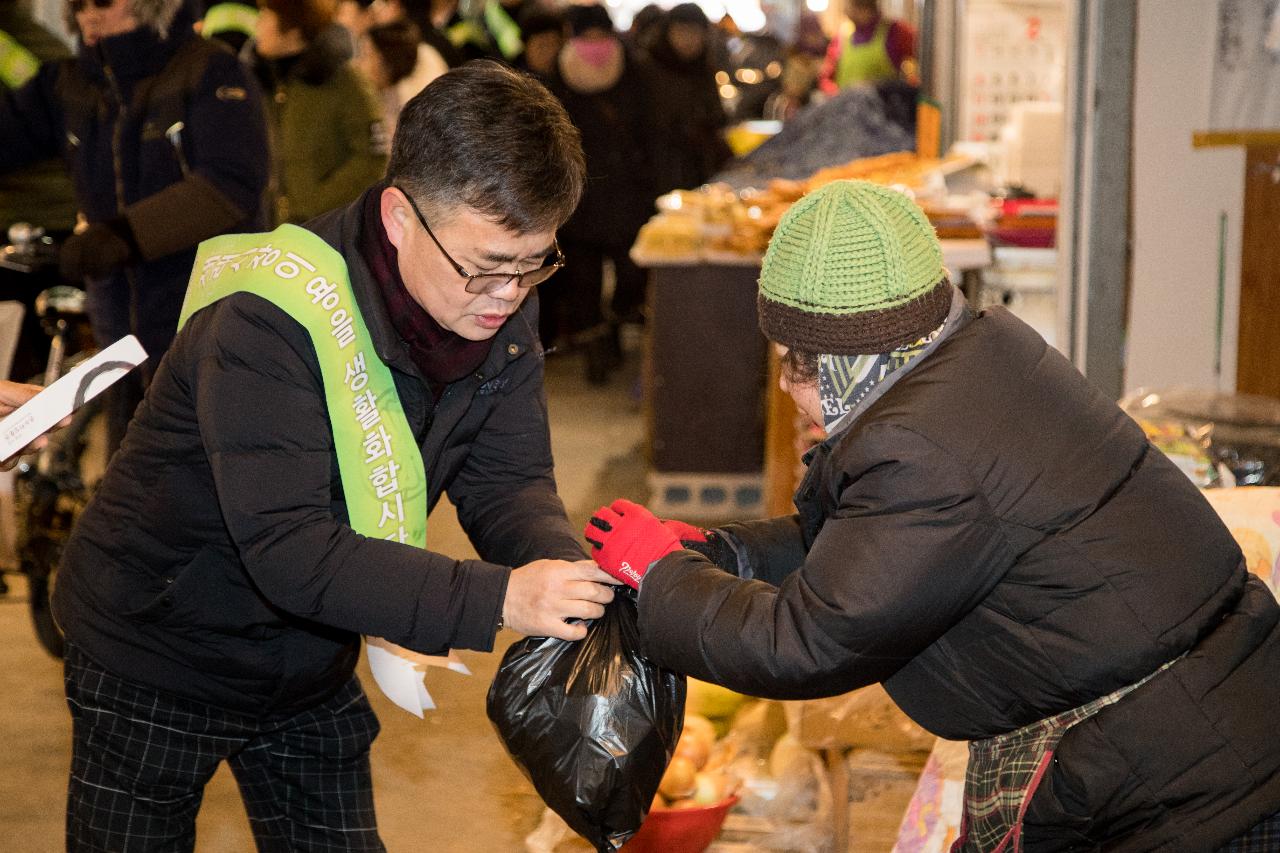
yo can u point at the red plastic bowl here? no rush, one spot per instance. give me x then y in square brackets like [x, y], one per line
[680, 830]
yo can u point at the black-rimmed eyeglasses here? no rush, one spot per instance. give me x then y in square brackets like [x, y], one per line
[491, 281]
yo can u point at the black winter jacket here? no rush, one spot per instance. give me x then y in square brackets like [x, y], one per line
[997, 543]
[616, 126]
[184, 158]
[688, 120]
[215, 561]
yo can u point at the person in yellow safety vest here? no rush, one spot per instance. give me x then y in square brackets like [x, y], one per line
[868, 48]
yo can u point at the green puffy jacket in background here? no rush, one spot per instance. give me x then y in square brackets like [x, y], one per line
[329, 142]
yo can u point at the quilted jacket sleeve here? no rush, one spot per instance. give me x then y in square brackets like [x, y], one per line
[766, 550]
[911, 548]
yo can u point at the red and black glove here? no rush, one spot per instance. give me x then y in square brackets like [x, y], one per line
[626, 539]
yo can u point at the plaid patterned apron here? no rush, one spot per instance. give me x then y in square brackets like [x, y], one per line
[1004, 772]
[1263, 838]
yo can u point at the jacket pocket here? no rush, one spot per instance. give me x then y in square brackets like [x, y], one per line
[1110, 777]
[1071, 797]
[208, 596]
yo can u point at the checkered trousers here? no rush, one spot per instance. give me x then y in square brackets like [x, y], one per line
[141, 758]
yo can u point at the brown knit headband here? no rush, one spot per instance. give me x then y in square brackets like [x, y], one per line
[862, 333]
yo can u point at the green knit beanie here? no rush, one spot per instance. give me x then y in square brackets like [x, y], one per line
[853, 268]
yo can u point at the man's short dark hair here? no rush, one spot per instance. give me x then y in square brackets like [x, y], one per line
[492, 139]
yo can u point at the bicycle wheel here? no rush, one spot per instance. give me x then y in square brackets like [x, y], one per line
[41, 573]
[52, 499]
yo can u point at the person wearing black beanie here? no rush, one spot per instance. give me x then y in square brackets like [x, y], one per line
[688, 13]
[604, 89]
[690, 118]
[645, 26]
[580, 19]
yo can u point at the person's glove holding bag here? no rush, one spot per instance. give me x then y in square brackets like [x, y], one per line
[626, 539]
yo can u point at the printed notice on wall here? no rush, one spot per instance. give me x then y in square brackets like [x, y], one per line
[1246, 66]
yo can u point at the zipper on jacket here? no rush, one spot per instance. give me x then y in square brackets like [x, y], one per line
[117, 163]
[117, 131]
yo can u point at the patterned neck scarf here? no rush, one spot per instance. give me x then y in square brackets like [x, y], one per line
[844, 381]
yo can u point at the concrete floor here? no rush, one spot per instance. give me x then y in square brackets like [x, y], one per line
[443, 784]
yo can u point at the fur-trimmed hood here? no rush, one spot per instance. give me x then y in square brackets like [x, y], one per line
[156, 15]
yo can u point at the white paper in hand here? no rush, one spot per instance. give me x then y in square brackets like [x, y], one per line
[89, 379]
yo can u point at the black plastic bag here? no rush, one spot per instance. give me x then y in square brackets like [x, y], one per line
[592, 723]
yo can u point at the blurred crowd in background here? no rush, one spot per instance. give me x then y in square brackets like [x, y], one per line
[295, 117]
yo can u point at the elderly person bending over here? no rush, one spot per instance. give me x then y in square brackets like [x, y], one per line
[994, 541]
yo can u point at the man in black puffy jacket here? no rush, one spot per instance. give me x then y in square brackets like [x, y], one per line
[994, 541]
[214, 592]
[166, 141]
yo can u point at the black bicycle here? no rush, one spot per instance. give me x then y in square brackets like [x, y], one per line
[54, 484]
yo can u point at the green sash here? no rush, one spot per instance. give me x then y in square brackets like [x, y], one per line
[378, 459]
